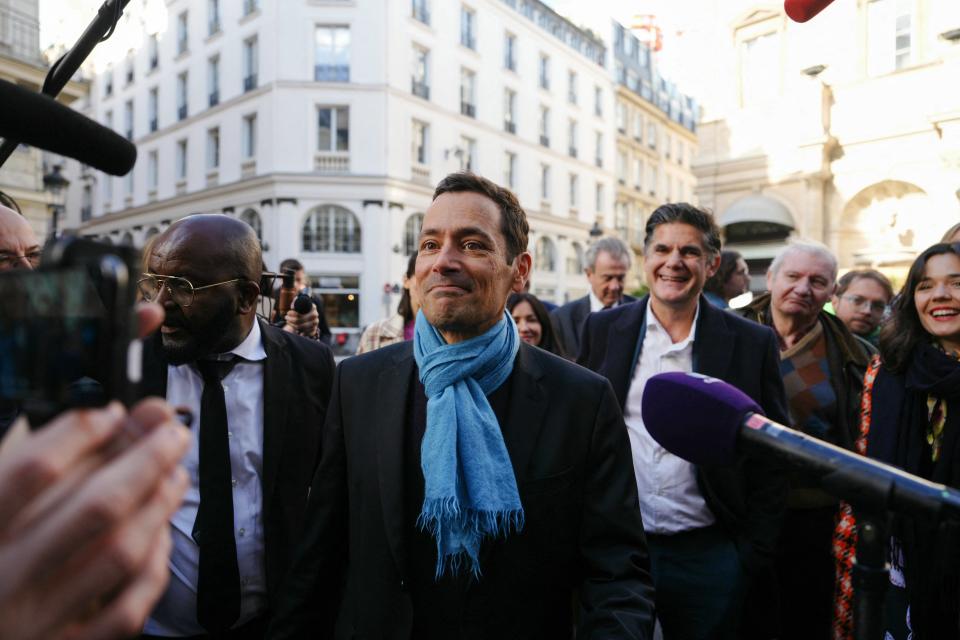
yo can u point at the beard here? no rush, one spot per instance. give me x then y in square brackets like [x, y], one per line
[198, 337]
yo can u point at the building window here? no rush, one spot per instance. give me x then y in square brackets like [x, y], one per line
[545, 255]
[213, 17]
[341, 307]
[213, 80]
[544, 126]
[154, 51]
[249, 135]
[638, 125]
[599, 198]
[638, 173]
[598, 149]
[510, 170]
[652, 135]
[468, 35]
[182, 33]
[331, 229]
[153, 100]
[251, 63]
[420, 79]
[411, 233]
[572, 87]
[681, 153]
[620, 216]
[575, 259]
[333, 129]
[213, 149]
[332, 53]
[182, 96]
[86, 204]
[598, 101]
[249, 6]
[544, 74]
[572, 138]
[622, 167]
[252, 218]
[509, 111]
[544, 182]
[108, 83]
[181, 166]
[510, 52]
[130, 72]
[759, 68]
[153, 164]
[468, 159]
[420, 135]
[621, 117]
[574, 191]
[889, 35]
[128, 119]
[468, 82]
[421, 11]
[653, 186]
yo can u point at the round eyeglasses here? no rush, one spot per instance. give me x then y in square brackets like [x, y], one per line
[180, 289]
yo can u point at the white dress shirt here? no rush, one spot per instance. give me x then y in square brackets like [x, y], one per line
[176, 613]
[670, 499]
[596, 305]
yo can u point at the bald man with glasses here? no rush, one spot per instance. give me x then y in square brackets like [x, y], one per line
[19, 248]
[259, 397]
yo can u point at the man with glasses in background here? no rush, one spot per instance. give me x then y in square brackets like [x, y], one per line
[860, 301]
[258, 396]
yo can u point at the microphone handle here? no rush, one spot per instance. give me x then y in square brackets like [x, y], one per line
[864, 483]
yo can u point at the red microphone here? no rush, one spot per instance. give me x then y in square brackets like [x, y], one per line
[803, 10]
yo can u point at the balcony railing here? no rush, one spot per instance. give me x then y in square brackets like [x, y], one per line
[214, 98]
[250, 82]
[468, 109]
[331, 162]
[331, 73]
[420, 173]
[421, 89]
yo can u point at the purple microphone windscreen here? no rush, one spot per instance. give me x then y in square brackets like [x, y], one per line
[38, 120]
[694, 416]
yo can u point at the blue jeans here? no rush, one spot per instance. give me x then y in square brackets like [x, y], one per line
[698, 581]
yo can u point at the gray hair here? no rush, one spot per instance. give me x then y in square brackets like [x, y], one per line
[615, 247]
[809, 247]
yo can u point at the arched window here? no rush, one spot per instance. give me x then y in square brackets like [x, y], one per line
[575, 259]
[252, 218]
[330, 228]
[545, 256]
[411, 233]
[127, 239]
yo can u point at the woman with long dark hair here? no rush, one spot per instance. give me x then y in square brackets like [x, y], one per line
[533, 322]
[910, 418]
[399, 326]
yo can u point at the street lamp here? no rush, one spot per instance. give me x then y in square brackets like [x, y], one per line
[54, 183]
[595, 231]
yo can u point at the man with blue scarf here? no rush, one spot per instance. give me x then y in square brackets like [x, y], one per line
[470, 486]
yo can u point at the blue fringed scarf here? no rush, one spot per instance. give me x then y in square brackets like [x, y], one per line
[470, 492]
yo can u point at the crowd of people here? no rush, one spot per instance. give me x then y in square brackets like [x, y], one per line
[481, 469]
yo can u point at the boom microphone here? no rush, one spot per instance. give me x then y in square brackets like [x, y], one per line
[39, 120]
[803, 10]
[706, 421]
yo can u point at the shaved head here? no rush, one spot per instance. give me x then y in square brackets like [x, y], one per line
[17, 240]
[228, 243]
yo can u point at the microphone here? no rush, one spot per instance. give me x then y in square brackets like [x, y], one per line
[707, 421]
[302, 303]
[39, 120]
[803, 10]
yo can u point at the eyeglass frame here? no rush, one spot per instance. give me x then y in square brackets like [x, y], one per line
[851, 298]
[32, 257]
[162, 282]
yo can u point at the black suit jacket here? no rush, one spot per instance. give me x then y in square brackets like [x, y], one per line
[571, 456]
[297, 378]
[748, 497]
[569, 320]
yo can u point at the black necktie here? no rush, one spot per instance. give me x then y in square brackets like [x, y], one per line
[218, 585]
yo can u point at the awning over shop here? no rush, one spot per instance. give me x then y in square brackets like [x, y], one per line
[757, 208]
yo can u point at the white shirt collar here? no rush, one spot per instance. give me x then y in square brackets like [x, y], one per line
[596, 305]
[251, 349]
[653, 323]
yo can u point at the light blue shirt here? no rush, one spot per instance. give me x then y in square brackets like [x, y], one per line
[176, 613]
